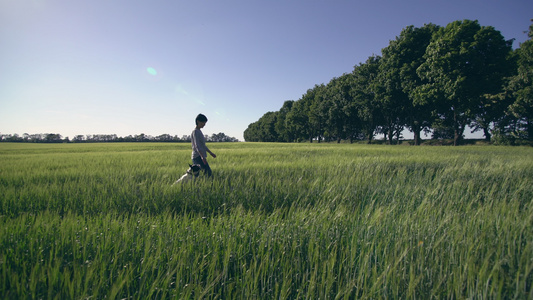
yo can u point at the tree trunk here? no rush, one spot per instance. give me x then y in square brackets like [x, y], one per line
[529, 130]
[417, 137]
[416, 132]
[398, 134]
[488, 136]
[455, 128]
[458, 134]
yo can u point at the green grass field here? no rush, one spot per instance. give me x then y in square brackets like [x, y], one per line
[276, 221]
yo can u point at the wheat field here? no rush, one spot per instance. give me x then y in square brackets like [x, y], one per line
[276, 221]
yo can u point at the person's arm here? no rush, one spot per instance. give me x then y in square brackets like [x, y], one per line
[212, 154]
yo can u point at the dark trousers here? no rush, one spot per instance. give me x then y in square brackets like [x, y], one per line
[205, 167]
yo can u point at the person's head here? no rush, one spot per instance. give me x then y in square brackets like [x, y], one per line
[201, 118]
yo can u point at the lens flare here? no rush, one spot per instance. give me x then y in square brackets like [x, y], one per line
[151, 71]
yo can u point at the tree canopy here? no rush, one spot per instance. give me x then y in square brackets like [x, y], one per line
[432, 79]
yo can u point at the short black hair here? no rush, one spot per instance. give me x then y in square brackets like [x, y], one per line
[200, 118]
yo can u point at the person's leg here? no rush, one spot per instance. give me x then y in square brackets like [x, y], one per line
[198, 161]
[207, 169]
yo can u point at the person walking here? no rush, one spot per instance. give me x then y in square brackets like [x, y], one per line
[199, 148]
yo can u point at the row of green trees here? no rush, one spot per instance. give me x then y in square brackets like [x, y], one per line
[108, 138]
[432, 79]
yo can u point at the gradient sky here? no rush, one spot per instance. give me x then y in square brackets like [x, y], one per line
[129, 67]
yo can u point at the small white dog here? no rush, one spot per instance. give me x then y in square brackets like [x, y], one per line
[192, 172]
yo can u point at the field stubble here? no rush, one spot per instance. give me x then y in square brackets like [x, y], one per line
[276, 221]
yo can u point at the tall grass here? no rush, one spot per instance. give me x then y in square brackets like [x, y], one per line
[276, 221]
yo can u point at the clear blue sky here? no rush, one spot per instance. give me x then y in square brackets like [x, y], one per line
[129, 67]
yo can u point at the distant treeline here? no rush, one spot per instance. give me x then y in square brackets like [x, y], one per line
[436, 80]
[108, 138]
